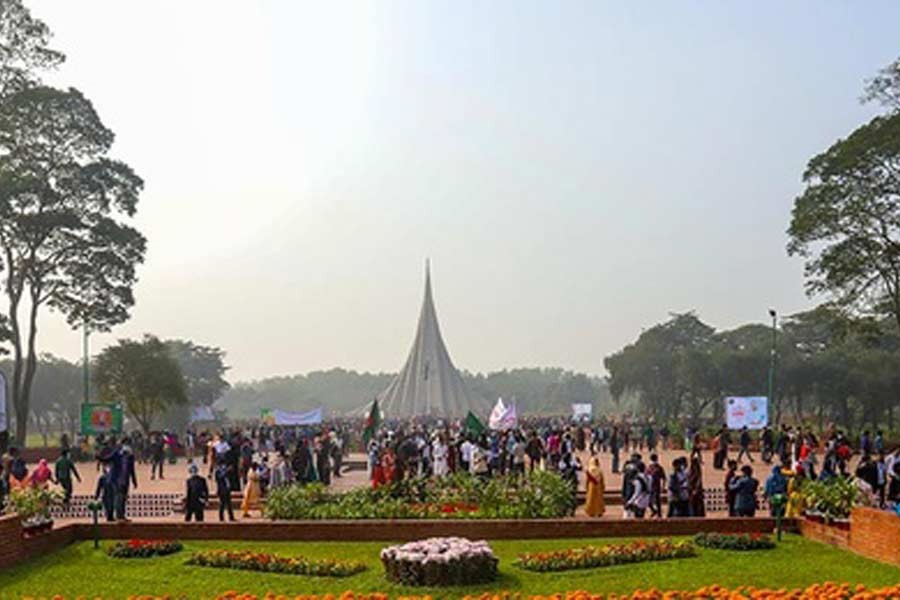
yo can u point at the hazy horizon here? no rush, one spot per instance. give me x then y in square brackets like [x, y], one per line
[574, 171]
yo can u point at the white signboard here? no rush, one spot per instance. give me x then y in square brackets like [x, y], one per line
[3, 421]
[202, 413]
[751, 412]
[582, 412]
[286, 418]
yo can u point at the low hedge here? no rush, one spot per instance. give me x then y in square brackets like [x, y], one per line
[539, 495]
[136, 548]
[734, 541]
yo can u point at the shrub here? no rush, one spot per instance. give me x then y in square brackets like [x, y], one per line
[135, 548]
[440, 562]
[734, 541]
[590, 557]
[272, 563]
[536, 496]
[832, 498]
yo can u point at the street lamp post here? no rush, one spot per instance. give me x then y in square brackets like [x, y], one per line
[774, 316]
[86, 365]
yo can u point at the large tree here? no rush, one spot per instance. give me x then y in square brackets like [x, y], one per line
[143, 376]
[846, 223]
[64, 236]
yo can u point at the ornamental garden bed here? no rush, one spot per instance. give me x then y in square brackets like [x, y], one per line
[735, 541]
[136, 548]
[248, 560]
[70, 571]
[591, 557]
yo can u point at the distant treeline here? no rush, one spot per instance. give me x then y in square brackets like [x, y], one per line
[536, 390]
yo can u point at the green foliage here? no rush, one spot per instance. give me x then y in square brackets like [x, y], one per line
[33, 503]
[539, 495]
[136, 548]
[734, 541]
[832, 498]
[143, 376]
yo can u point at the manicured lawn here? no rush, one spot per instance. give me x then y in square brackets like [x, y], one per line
[80, 570]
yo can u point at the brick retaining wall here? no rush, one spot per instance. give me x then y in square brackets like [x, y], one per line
[405, 530]
[875, 534]
[12, 550]
[827, 534]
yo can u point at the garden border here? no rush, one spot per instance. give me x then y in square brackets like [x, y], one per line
[15, 549]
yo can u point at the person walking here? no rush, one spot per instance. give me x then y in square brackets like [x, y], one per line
[595, 504]
[64, 471]
[656, 476]
[695, 489]
[123, 477]
[251, 490]
[197, 495]
[745, 440]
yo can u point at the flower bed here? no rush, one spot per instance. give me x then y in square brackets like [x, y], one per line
[272, 563]
[590, 557]
[832, 591]
[540, 495]
[734, 541]
[143, 548]
[440, 562]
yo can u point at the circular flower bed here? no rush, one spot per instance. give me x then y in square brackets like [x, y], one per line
[143, 548]
[734, 541]
[440, 562]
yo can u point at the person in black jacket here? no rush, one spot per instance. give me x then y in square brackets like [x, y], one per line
[197, 496]
[223, 491]
[106, 492]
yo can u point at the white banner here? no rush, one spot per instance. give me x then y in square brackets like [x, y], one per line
[582, 412]
[283, 417]
[4, 423]
[503, 417]
[202, 413]
[751, 412]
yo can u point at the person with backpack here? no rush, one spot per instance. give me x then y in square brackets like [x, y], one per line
[640, 495]
[776, 485]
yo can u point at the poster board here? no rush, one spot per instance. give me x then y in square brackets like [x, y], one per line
[582, 412]
[101, 418]
[751, 412]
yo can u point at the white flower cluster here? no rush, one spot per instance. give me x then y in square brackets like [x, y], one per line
[438, 550]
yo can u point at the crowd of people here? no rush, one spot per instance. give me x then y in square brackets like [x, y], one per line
[248, 461]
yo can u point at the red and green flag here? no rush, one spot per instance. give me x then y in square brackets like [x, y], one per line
[372, 422]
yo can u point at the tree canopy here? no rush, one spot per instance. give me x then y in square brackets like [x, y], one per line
[143, 376]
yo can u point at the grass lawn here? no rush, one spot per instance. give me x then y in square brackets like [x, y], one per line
[80, 570]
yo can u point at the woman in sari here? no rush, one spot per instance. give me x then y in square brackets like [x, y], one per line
[251, 490]
[594, 504]
[695, 488]
[41, 475]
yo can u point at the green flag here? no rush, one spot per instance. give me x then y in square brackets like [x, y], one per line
[473, 425]
[372, 422]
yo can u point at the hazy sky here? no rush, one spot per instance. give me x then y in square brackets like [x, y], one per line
[574, 170]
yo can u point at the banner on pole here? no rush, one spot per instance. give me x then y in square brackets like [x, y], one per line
[101, 418]
[4, 422]
[751, 412]
[503, 417]
[582, 411]
[282, 417]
